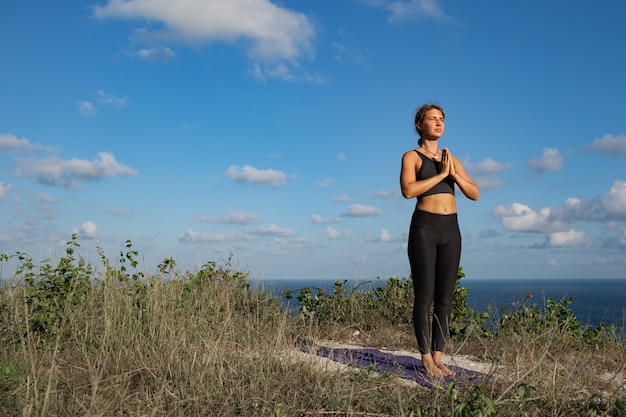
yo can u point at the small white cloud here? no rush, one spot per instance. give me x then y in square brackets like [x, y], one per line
[359, 210]
[236, 217]
[387, 194]
[384, 236]
[569, 238]
[487, 183]
[162, 53]
[110, 99]
[343, 198]
[408, 9]
[4, 189]
[86, 108]
[251, 175]
[489, 166]
[89, 230]
[403, 10]
[611, 144]
[335, 234]
[271, 230]
[317, 219]
[551, 160]
[324, 184]
[192, 236]
[614, 200]
[341, 157]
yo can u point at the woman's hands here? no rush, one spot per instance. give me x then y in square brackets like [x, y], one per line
[447, 164]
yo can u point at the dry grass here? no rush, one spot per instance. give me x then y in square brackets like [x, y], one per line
[218, 348]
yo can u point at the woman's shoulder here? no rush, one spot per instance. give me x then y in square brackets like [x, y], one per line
[412, 153]
[412, 158]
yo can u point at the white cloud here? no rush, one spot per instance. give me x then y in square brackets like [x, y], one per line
[251, 175]
[384, 236]
[11, 143]
[3, 190]
[359, 210]
[113, 211]
[46, 198]
[236, 217]
[610, 144]
[324, 184]
[86, 108]
[89, 230]
[408, 9]
[57, 172]
[270, 32]
[614, 200]
[551, 160]
[341, 198]
[192, 236]
[110, 99]
[271, 230]
[490, 166]
[160, 53]
[487, 183]
[317, 219]
[521, 218]
[335, 234]
[341, 157]
[569, 238]
[403, 10]
[388, 194]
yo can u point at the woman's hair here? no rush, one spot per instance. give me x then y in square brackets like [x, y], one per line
[421, 112]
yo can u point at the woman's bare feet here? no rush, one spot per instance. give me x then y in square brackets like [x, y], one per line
[434, 366]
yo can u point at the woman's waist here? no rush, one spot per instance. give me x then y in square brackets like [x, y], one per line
[444, 204]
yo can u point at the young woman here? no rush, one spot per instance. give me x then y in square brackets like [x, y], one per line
[430, 174]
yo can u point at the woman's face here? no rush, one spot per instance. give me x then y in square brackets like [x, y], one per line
[433, 124]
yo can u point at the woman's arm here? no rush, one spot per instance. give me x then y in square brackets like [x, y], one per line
[410, 186]
[463, 180]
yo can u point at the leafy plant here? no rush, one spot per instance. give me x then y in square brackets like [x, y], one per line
[53, 290]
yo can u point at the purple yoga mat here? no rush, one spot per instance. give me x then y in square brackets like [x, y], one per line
[404, 366]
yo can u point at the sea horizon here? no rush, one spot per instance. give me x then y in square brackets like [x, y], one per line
[594, 301]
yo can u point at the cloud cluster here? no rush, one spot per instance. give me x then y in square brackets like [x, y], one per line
[87, 108]
[556, 222]
[268, 31]
[57, 172]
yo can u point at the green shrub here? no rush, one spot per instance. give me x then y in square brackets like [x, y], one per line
[52, 291]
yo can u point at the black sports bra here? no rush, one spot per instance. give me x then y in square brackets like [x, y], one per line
[430, 168]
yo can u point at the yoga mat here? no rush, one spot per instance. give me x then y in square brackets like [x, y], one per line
[401, 365]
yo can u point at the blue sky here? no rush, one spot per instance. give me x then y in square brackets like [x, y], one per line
[273, 131]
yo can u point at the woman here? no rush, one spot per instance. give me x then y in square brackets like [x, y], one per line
[430, 174]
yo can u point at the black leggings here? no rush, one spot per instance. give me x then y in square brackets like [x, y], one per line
[434, 254]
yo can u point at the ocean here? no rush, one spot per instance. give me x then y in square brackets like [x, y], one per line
[594, 301]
